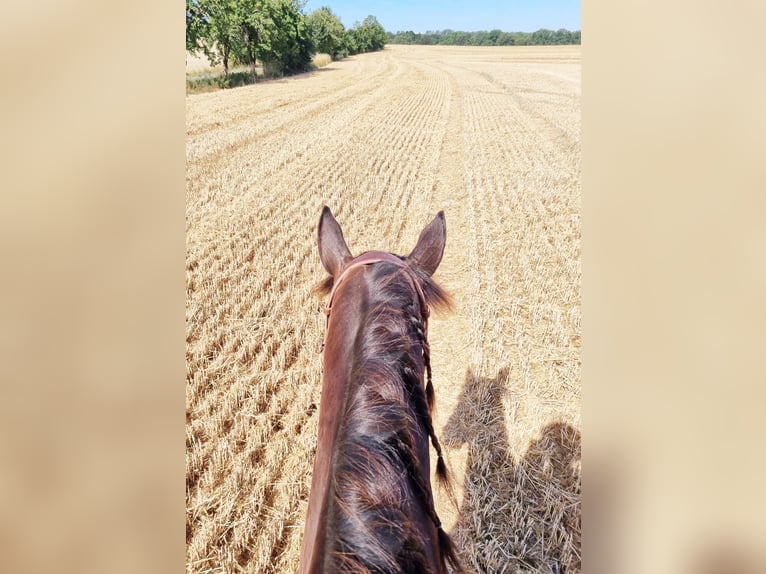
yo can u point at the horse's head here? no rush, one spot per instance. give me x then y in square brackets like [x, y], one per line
[421, 263]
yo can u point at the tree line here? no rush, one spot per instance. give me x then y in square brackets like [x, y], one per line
[484, 38]
[275, 33]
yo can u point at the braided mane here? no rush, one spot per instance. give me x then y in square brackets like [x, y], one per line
[377, 486]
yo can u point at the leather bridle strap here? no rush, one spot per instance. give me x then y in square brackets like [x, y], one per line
[369, 258]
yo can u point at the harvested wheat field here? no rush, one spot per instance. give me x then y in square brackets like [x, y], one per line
[492, 137]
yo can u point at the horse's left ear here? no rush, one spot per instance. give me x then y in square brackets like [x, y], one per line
[430, 247]
[333, 250]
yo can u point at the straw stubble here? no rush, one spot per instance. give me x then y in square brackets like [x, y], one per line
[492, 137]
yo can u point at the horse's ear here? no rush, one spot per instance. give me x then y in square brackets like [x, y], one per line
[333, 250]
[430, 247]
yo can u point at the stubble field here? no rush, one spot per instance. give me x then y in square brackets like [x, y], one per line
[492, 137]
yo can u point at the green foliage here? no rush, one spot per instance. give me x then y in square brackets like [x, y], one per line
[483, 38]
[326, 32]
[255, 31]
[275, 33]
[369, 36]
[245, 31]
[195, 26]
[214, 29]
[289, 49]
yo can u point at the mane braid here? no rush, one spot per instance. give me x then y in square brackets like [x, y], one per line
[377, 485]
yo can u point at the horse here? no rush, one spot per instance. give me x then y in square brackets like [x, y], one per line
[371, 507]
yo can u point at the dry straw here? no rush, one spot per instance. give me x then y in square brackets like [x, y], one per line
[492, 136]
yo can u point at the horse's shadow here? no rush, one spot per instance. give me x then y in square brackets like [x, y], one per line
[514, 517]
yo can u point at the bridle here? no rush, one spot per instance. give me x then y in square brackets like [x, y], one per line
[368, 258]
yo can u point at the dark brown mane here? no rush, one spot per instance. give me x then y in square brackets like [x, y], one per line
[377, 486]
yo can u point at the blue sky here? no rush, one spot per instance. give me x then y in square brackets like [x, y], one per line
[423, 15]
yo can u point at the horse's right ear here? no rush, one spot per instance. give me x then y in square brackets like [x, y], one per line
[333, 250]
[430, 246]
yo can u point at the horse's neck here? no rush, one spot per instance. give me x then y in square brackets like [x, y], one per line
[370, 395]
[343, 327]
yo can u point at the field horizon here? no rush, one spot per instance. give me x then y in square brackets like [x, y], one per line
[387, 139]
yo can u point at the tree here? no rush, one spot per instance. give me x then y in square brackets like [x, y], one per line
[255, 28]
[367, 36]
[326, 32]
[289, 49]
[272, 31]
[276, 32]
[494, 37]
[505, 39]
[483, 38]
[195, 26]
[375, 32]
[542, 36]
[217, 32]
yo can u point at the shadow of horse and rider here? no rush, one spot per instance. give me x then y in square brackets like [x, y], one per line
[515, 516]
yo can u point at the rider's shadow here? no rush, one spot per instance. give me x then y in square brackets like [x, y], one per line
[521, 517]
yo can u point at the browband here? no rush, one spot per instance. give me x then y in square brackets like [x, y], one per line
[368, 258]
